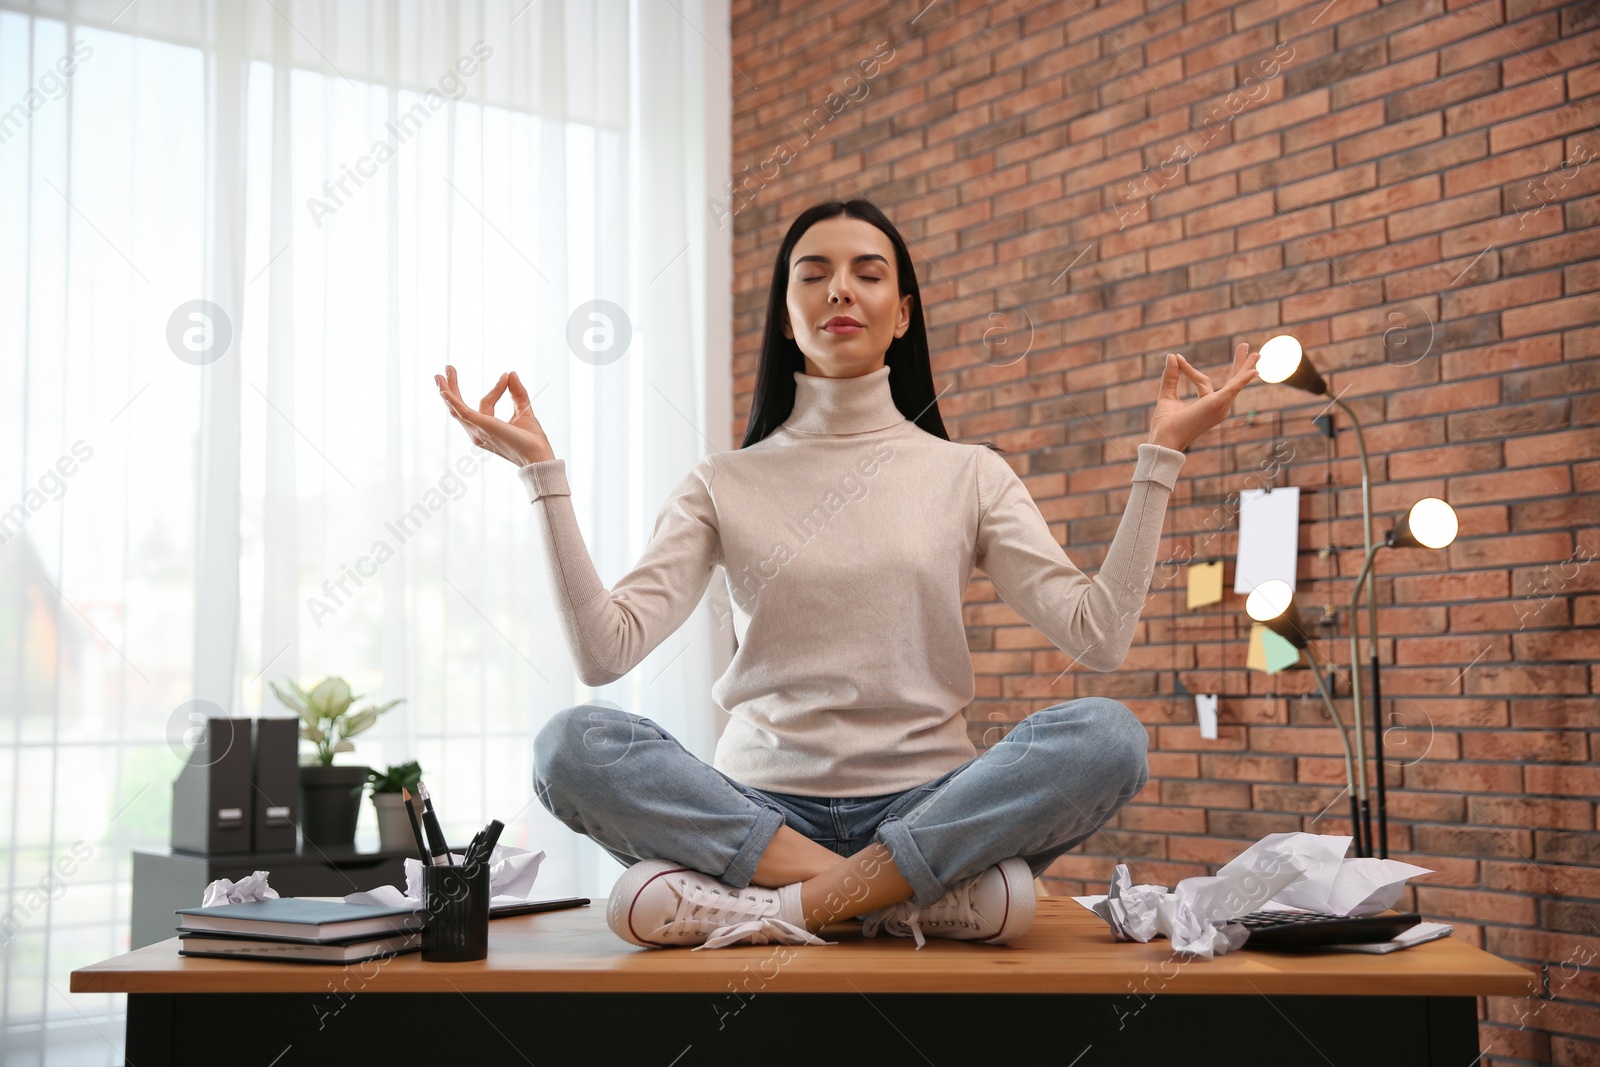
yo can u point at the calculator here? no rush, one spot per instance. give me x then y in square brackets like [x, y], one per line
[1315, 929]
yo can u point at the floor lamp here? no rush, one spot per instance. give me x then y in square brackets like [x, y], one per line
[1283, 361]
[1272, 605]
[1431, 523]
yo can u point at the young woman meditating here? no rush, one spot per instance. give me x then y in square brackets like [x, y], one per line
[848, 525]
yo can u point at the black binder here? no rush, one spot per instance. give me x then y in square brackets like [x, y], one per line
[211, 798]
[277, 784]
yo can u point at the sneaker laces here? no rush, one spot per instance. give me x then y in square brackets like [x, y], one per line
[730, 918]
[952, 909]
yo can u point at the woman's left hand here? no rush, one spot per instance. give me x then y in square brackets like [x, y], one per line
[1175, 424]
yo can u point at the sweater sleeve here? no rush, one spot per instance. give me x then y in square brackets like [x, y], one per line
[609, 631]
[1092, 620]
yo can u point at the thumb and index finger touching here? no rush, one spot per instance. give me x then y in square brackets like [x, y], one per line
[1177, 368]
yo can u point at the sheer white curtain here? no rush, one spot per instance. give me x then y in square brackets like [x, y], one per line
[237, 239]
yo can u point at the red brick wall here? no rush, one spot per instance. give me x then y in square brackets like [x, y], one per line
[1411, 189]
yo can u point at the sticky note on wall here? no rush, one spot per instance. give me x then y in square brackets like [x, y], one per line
[1280, 653]
[1256, 657]
[1205, 584]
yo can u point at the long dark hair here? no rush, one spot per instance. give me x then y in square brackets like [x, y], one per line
[910, 372]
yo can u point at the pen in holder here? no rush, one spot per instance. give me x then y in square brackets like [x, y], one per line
[455, 910]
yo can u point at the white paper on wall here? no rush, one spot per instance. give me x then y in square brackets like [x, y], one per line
[1269, 536]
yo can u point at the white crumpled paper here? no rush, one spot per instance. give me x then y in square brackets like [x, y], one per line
[1289, 870]
[512, 872]
[249, 888]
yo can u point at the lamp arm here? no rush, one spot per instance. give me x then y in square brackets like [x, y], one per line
[1355, 632]
[1349, 775]
[1368, 544]
[1363, 585]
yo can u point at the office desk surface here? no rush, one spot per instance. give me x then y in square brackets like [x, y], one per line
[1069, 950]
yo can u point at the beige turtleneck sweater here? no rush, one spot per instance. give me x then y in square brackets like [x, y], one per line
[847, 539]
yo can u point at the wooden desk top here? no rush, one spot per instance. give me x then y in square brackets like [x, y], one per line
[1068, 950]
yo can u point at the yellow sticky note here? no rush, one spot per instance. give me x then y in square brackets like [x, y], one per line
[1280, 653]
[1205, 584]
[1256, 658]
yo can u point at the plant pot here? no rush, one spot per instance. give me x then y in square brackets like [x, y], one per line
[394, 825]
[330, 804]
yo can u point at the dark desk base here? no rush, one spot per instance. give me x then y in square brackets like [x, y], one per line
[682, 1029]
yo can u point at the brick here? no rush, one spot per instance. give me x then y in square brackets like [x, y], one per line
[1458, 777]
[1429, 92]
[1206, 794]
[1558, 679]
[1575, 782]
[1162, 819]
[1557, 847]
[1533, 812]
[1494, 42]
[1409, 133]
[1568, 118]
[1504, 551]
[1332, 186]
[1435, 901]
[1473, 841]
[1525, 745]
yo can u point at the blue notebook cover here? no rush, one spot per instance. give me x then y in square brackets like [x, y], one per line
[300, 919]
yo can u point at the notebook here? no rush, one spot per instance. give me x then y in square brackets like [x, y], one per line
[357, 950]
[300, 919]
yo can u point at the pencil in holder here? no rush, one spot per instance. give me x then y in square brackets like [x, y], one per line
[455, 913]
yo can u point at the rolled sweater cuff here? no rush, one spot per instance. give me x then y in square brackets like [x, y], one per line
[546, 478]
[1156, 463]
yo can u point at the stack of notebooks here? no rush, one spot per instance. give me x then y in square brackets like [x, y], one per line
[299, 929]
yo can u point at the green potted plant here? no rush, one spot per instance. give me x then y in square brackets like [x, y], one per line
[330, 796]
[394, 825]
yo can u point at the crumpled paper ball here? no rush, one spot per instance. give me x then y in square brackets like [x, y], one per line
[249, 888]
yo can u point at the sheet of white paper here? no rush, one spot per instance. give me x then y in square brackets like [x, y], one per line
[1361, 885]
[1269, 536]
[511, 876]
[1205, 709]
[1418, 934]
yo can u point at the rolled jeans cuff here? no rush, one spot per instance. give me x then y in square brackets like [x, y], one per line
[743, 865]
[895, 835]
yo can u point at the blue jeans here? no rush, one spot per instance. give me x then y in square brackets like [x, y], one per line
[1046, 786]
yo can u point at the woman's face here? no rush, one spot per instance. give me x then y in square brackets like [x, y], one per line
[843, 268]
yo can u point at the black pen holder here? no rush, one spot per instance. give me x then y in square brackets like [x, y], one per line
[455, 913]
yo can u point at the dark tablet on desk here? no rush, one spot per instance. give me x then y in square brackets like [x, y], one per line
[504, 910]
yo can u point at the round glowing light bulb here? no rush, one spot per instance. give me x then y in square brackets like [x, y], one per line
[1269, 600]
[1433, 522]
[1279, 358]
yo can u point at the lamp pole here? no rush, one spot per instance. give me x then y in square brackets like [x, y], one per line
[1363, 831]
[1355, 805]
[1377, 715]
[1272, 604]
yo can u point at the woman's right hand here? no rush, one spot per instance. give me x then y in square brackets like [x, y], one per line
[520, 439]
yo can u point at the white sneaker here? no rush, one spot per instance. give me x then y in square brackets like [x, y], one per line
[656, 904]
[995, 907]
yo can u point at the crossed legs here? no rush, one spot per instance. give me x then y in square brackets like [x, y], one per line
[1048, 785]
[831, 888]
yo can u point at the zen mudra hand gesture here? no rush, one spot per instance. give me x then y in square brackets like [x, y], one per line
[519, 439]
[1173, 424]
